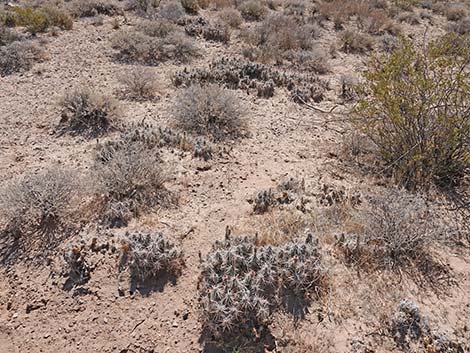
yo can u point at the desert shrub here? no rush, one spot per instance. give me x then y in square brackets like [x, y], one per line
[151, 254]
[57, 17]
[242, 285]
[19, 56]
[356, 42]
[231, 17]
[405, 4]
[461, 27]
[37, 205]
[34, 20]
[172, 11]
[252, 10]
[140, 84]
[92, 8]
[87, 113]
[190, 6]
[414, 105]
[131, 174]
[145, 6]
[7, 36]
[456, 12]
[156, 28]
[209, 110]
[215, 31]
[396, 230]
[137, 47]
[377, 22]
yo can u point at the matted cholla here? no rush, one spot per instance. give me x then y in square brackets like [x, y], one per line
[242, 284]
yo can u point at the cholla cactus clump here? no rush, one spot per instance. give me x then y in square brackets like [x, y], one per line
[288, 191]
[242, 284]
[408, 323]
[77, 266]
[149, 255]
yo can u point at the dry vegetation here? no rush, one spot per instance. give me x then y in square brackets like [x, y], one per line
[329, 138]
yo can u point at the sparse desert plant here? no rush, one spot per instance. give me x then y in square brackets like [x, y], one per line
[92, 8]
[190, 6]
[396, 230]
[242, 285]
[231, 17]
[407, 323]
[151, 254]
[253, 10]
[32, 19]
[171, 10]
[145, 6]
[19, 56]
[57, 17]
[356, 42]
[137, 47]
[140, 84]
[210, 110]
[156, 28]
[37, 205]
[131, 173]
[7, 36]
[414, 105]
[456, 12]
[88, 113]
[461, 26]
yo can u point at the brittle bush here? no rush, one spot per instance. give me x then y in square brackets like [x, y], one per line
[39, 20]
[414, 105]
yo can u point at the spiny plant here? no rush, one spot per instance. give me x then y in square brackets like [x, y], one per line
[151, 254]
[414, 105]
[241, 284]
[77, 266]
[88, 113]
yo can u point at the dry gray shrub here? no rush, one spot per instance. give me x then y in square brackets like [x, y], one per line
[132, 175]
[19, 56]
[151, 254]
[38, 204]
[396, 230]
[87, 113]
[140, 84]
[210, 110]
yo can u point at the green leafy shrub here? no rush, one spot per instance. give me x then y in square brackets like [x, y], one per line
[414, 105]
[34, 21]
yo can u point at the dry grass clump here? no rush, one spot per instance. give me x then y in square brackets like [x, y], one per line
[132, 177]
[19, 57]
[87, 113]
[149, 255]
[231, 17]
[36, 206]
[190, 6]
[456, 12]
[394, 231]
[277, 35]
[414, 105]
[242, 284]
[253, 10]
[140, 84]
[171, 10]
[92, 8]
[141, 48]
[356, 42]
[461, 27]
[210, 110]
[7, 36]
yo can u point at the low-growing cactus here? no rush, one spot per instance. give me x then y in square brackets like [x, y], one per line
[78, 268]
[150, 254]
[242, 284]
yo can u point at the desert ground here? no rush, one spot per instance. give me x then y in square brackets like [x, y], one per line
[210, 176]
